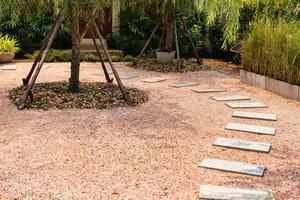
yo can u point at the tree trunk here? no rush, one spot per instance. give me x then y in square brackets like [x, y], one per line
[75, 63]
[169, 30]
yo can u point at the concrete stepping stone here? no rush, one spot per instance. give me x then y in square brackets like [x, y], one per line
[243, 144]
[254, 115]
[231, 98]
[246, 105]
[102, 73]
[208, 90]
[251, 128]
[231, 193]
[9, 67]
[128, 76]
[233, 166]
[154, 80]
[184, 84]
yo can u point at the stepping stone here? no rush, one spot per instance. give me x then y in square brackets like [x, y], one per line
[251, 128]
[128, 76]
[253, 115]
[208, 90]
[102, 73]
[184, 84]
[154, 80]
[230, 98]
[230, 193]
[233, 166]
[9, 67]
[242, 144]
[247, 105]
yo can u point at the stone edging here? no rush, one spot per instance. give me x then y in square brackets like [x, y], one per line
[278, 87]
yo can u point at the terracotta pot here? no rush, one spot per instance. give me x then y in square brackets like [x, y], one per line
[165, 57]
[6, 57]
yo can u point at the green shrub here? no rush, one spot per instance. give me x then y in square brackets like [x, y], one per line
[8, 44]
[30, 32]
[55, 55]
[196, 26]
[135, 27]
[273, 49]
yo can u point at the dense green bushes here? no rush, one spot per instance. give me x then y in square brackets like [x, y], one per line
[30, 32]
[55, 55]
[273, 49]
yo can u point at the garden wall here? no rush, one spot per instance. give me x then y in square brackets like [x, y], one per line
[279, 87]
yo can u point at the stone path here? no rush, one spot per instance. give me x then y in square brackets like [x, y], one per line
[230, 98]
[253, 115]
[9, 67]
[242, 144]
[154, 80]
[129, 76]
[233, 166]
[251, 128]
[219, 192]
[247, 105]
[208, 90]
[183, 84]
[228, 193]
[102, 73]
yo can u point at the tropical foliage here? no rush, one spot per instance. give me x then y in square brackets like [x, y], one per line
[229, 11]
[135, 26]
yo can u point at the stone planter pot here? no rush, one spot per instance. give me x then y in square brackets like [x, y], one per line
[165, 57]
[6, 57]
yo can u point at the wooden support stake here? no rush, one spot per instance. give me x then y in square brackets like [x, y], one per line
[121, 86]
[147, 43]
[44, 46]
[191, 40]
[40, 64]
[179, 61]
[108, 79]
[88, 26]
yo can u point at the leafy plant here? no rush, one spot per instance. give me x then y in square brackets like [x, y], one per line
[135, 27]
[196, 25]
[8, 44]
[30, 32]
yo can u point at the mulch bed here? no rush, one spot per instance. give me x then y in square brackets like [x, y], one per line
[92, 95]
[153, 65]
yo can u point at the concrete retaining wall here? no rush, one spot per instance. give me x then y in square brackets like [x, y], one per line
[278, 87]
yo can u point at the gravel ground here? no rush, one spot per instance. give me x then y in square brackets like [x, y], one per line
[146, 152]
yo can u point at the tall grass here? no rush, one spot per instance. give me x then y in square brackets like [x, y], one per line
[273, 49]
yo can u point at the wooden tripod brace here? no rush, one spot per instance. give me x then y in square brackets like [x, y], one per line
[30, 80]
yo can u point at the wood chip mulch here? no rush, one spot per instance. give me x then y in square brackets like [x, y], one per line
[153, 65]
[55, 95]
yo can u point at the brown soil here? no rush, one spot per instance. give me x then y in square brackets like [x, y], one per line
[145, 152]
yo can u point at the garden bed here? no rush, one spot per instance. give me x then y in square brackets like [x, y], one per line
[153, 65]
[92, 95]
